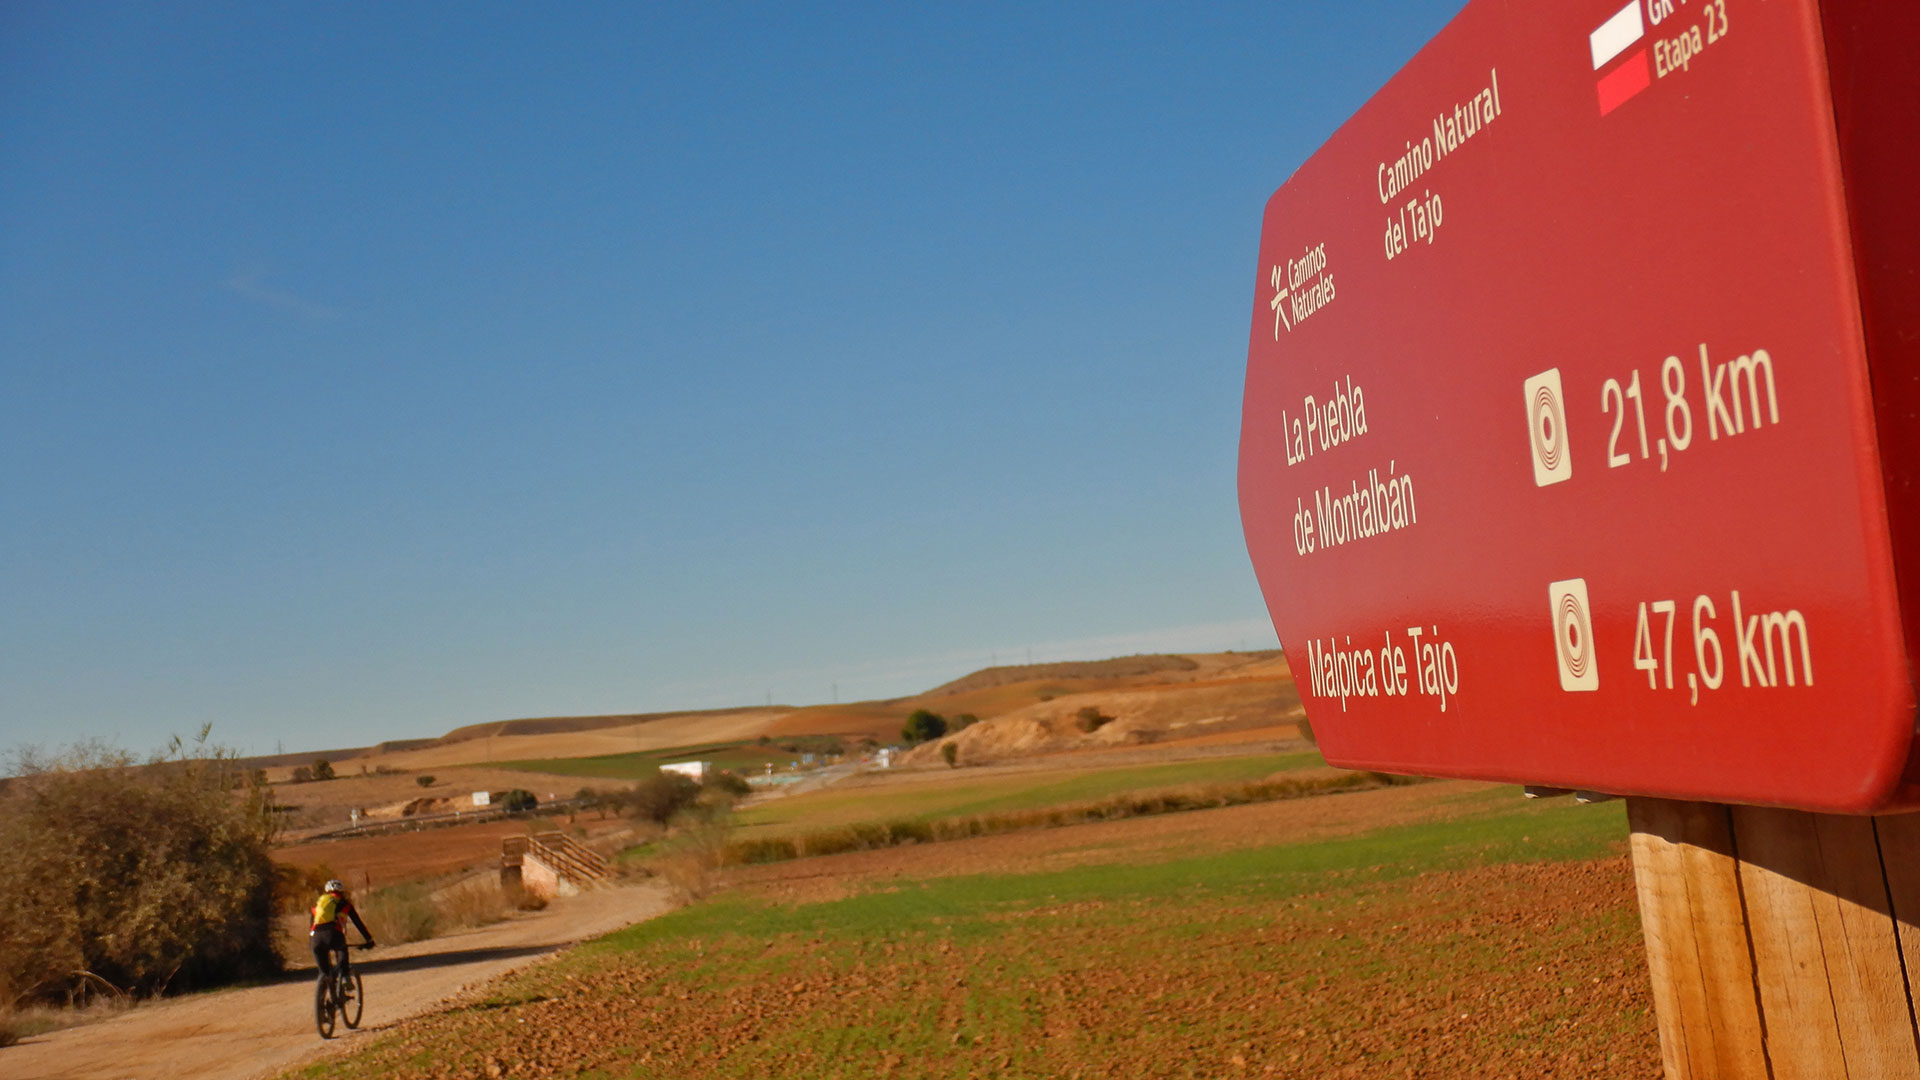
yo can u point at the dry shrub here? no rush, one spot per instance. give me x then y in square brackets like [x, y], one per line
[137, 876]
[473, 903]
[694, 851]
[415, 912]
[479, 901]
[11, 1029]
[400, 913]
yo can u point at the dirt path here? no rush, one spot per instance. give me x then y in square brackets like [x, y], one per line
[240, 1034]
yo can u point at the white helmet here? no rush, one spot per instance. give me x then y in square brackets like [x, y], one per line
[336, 885]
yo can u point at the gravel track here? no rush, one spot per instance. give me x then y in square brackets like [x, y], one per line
[244, 1033]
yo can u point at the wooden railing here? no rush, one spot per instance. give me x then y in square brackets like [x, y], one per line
[565, 855]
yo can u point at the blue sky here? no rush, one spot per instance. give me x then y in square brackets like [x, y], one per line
[368, 370]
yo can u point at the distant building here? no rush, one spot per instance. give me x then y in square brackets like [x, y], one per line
[693, 770]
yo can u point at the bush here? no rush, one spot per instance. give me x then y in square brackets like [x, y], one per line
[141, 876]
[322, 769]
[961, 723]
[950, 752]
[727, 784]
[662, 795]
[923, 725]
[1090, 719]
[424, 781]
[302, 775]
[517, 800]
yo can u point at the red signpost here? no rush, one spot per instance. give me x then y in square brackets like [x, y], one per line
[1581, 442]
[1559, 460]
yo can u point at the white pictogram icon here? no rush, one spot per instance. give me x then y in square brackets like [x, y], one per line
[1547, 429]
[1279, 301]
[1573, 635]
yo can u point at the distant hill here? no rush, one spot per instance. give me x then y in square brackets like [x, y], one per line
[555, 725]
[1119, 667]
[987, 693]
[997, 691]
[302, 757]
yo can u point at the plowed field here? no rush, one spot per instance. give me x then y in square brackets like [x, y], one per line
[1502, 941]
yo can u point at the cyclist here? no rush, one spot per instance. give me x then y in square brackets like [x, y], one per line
[328, 937]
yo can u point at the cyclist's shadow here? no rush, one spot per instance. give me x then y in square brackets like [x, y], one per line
[369, 966]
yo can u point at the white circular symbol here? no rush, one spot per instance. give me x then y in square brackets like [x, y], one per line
[1548, 428]
[1573, 636]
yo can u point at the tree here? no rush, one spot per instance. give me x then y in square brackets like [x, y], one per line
[322, 769]
[961, 723]
[424, 780]
[923, 725]
[518, 799]
[951, 752]
[301, 774]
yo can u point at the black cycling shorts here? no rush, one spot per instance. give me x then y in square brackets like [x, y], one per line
[325, 942]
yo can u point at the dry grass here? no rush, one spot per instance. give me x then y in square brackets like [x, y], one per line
[415, 912]
[19, 1023]
[693, 853]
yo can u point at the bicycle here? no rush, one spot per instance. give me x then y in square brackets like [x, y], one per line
[340, 993]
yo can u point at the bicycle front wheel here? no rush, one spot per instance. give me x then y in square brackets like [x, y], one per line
[323, 1006]
[356, 1001]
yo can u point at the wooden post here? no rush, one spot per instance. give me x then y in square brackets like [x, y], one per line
[1783, 945]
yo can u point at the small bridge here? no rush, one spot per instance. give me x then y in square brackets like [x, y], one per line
[552, 864]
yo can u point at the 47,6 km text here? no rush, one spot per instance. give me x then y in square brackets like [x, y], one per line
[1770, 648]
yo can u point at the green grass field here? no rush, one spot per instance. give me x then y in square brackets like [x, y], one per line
[1431, 950]
[962, 794]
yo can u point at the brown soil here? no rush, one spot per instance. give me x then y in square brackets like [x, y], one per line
[238, 1034]
[366, 862]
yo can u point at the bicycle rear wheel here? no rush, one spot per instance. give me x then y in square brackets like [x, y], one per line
[356, 1000]
[323, 1006]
